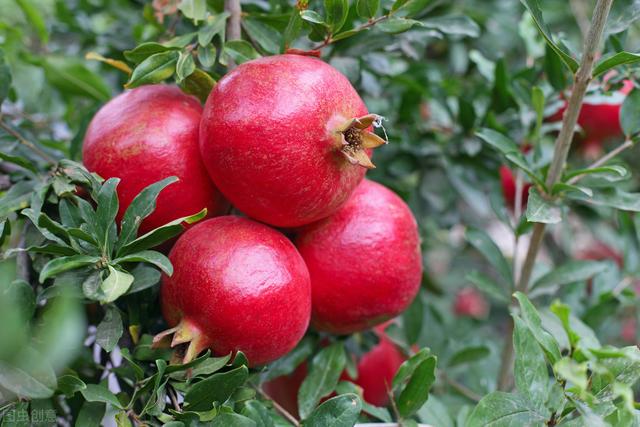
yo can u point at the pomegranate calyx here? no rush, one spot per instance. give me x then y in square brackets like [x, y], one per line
[187, 340]
[355, 139]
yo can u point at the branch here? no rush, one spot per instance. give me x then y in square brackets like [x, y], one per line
[604, 159]
[293, 420]
[22, 140]
[562, 145]
[234, 28]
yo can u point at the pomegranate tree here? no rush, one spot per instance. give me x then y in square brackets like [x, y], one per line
[236, 285]
[286, 139]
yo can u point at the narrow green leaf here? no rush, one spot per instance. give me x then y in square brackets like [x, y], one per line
[33, 13]
[629, 113]
[483, 243]
[453, 25]
[145, 50]
[151, 257]
[541, 210]
[30, 377]
[109, 329]
[507, 409]
[531, 318]
[570, 272]
[193, 9]
[66, 263]
[469, 355]
[290, 361]
[324, 373]
[115, 285]
[336, 12]
[154, 69]
[488, 286]
[185, 66]
[216, 388]
[100, 393]
[620, 58]
[367, 8]
[5, 77]
[416, 392]
[339, 411]
[216, 25]
[71, 77]
[240, 51]
[530, 372]
[267, 37]
[313, 17]
[397, 25]
[199, 83]
[5, 230]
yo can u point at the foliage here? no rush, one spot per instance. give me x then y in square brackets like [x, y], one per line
[464, 87]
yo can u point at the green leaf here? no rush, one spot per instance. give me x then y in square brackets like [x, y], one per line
[216, 25]
[144, 276]
[216, 388]
[145, 50]
[469, 355]
[100, 393]
[115, 285]
[154, 69]
[620, 58]
[33, 13]
[504, 409]
[570, 272]
[382, 414]
[572, 371]
[541, 210]
[532, 320]
[151, 257]
[562, 187]
[339, 411]
[324, 373]
[290, 361]
[62, 264]
[435, 413]
[537, 101]
[563, 312]
[313, 17]
[294, 26]
[193, 9]
[71, 77]
[140, 208]
[185, 66]
[106, 212]
[498, 141]
[530, 372]
[397, 25]
[91, 414]
[629, 113]
[618, 170]
[416, 391]
[110, 329]
[410, 8]
[5, 77]
[534, 9]
[31, 377]
[5, 230]
[488, 286]
[232, 420]
[267, 37]
[159, 235]
[453, 25]
[199, 83]
[367, 8]
[240, 51]
[210, 365]
[613, 197]
[336, 12]
[483, 243]
[69, 385]
[255, 410]
[412, 320]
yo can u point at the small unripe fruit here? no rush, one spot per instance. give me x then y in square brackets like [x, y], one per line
[470, 303]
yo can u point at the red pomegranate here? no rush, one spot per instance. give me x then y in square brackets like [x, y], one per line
[376, 370]
[237, 285]
[364, 261]
[599, 118]
[283, 137]
[600, 251]
[147, 134]
[470, 303]
[508, 182]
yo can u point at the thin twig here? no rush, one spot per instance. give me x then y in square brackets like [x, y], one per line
[22, 140]
[174, 398]
[582, 79]
[293, 420]
[234, 24]
[370, 23]
[604, 159]
[462, 389]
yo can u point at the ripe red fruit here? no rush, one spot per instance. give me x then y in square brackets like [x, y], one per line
[282, 138]
[376, 370]
[470, 303]
[508, 182]
[601, 251]
[364, 261]
[237, 285]
[145, 135]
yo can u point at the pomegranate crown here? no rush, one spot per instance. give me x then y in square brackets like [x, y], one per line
[356, 139]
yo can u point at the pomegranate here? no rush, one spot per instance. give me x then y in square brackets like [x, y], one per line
[364, 261]
[470, 303]
[375, 369]
[283, 137]
[144, 135]
[508, 182]
[601, 251]
[237, 285]
[629, 330]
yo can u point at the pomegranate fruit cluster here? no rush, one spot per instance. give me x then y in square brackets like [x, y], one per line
[287, 141]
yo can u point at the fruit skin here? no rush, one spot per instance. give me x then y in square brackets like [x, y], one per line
[364, 261]
[508, 183]
[470, 303]
[268, 139]
[241, 286]
[147, 134]
[376, 370]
